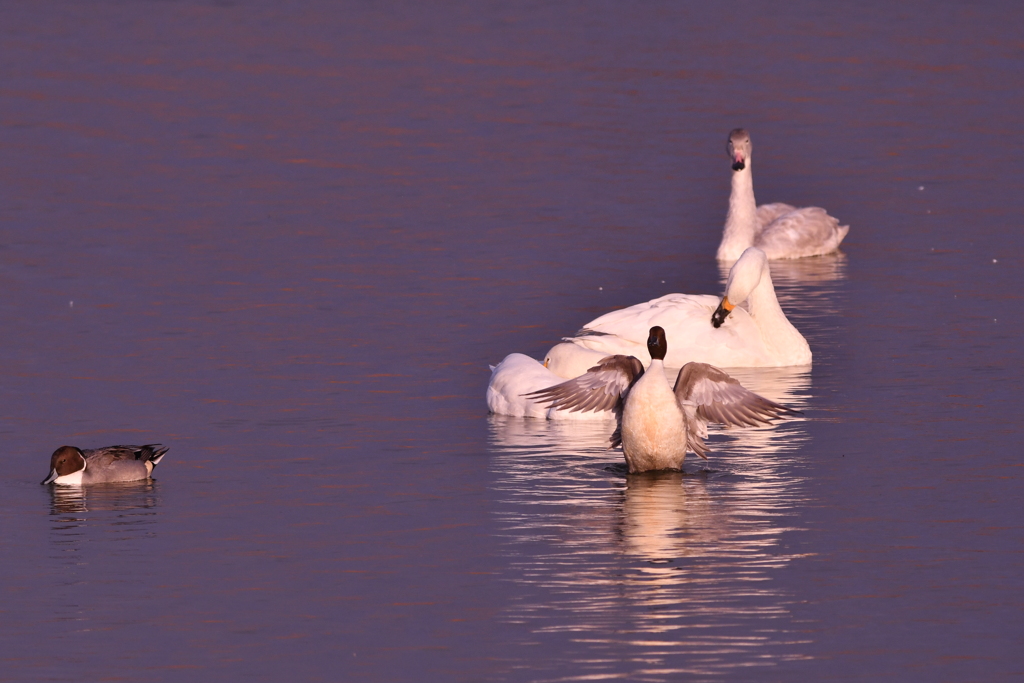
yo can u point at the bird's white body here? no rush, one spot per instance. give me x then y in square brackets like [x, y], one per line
[73, 479]
[779, 230]
[758, 336]
[519, 374]
[654, 425]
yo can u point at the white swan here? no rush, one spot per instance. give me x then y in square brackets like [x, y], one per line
[758, 336]
[779, 230]
[518, 375]
[658, 424]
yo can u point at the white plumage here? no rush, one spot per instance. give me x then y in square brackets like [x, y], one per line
[759, 335]
[779, 230]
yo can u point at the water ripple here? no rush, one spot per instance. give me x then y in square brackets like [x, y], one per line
[675, 568]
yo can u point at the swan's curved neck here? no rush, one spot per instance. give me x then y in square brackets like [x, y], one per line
[776, 330]
[741, 221]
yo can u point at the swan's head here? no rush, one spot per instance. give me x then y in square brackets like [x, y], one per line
[738, 147]
[744, 276]
[569, 360]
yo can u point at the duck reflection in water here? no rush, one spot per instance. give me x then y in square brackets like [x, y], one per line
[101, 539]
[102, 512]
[666, 563]
[663, 518]
[114, 497]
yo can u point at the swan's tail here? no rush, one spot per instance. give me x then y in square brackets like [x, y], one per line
[841, 232]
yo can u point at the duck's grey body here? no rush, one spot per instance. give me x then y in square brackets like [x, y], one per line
[74, 466]
[658, 424]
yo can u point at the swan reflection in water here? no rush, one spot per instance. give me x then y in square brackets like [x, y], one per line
[813, 272]
[670, 571]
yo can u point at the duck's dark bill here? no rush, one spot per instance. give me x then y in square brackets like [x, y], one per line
[49, 479]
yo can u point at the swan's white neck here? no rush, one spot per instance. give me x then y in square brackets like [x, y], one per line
[776, 330]
[741, 222]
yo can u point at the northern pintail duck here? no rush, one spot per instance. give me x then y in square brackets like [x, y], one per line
[73, 466]
[779, 230]
[658, 424]
[703, 327]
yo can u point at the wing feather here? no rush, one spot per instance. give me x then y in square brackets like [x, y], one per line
[599, 388]
[106, 456]
[720, 398]
[766, 213]
[801, 232]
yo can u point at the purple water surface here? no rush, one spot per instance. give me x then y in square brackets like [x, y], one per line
[287, 239]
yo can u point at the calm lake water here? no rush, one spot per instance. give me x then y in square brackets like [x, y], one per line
[287, 239]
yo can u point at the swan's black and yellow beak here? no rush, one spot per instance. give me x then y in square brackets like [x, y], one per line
[722, 312]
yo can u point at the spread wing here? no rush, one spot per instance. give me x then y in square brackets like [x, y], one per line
[717, 397]
[599, 388]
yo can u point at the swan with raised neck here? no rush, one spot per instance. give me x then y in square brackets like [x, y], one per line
[780, 230]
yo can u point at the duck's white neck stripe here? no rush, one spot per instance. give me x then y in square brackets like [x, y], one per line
[73, 479]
